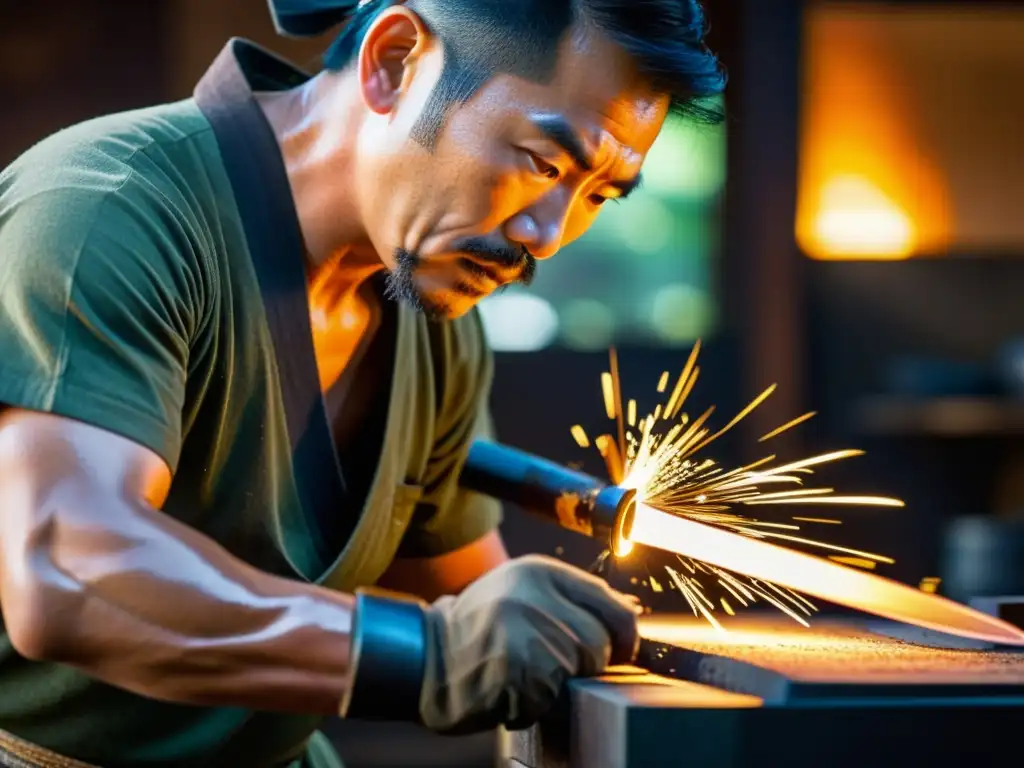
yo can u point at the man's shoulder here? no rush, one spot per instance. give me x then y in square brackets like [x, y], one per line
[95, 158]
[108, 198]
[147, 175]
[121, 135]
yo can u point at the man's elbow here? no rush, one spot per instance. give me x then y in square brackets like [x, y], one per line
[41, 604]
[37, 623]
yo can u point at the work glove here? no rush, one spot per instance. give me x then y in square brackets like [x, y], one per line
[500, 652]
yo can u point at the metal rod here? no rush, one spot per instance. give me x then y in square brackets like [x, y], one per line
[575, 500]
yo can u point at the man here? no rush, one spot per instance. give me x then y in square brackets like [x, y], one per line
[218, 426]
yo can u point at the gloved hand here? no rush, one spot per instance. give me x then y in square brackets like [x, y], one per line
[500, 652]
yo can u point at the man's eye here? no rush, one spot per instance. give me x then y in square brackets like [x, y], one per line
[545, 168]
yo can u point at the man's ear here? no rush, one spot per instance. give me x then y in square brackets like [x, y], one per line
[393, 46]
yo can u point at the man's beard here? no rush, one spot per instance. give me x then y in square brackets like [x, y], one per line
[400, 283]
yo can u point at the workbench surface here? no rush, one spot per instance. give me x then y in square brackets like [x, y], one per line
[780, 661]
[782, 695]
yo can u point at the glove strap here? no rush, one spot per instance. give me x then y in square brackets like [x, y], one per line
[389, 659]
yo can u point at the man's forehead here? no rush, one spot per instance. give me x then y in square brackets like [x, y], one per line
[582, 68]
[598, 84]
[596, 70]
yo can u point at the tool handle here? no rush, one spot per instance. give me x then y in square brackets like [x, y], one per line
[520, 478]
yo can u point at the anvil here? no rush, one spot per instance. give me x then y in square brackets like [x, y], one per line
[769, 693]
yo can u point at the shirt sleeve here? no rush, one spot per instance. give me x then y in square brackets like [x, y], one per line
[448, 517]
[96, 304]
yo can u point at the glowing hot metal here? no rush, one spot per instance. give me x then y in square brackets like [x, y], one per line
[813, 576]
[748, 569]
[693, 507]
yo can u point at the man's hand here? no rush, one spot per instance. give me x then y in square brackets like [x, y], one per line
[499, 653]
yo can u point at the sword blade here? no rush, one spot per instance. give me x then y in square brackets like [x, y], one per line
[815, 576]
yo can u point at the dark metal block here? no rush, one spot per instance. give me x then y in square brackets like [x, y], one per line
[622, 725]
[835, 695]
[604, 715]
[1009, 608]
[782, 663]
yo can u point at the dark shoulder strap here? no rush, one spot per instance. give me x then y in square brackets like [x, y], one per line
[254, 166]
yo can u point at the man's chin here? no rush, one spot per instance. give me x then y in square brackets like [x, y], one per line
[436, 301]
[448, 308]
[442, 307]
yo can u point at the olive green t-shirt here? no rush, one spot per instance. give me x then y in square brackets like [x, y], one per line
[129, 300]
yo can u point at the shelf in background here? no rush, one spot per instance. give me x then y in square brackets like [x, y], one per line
[941, 416]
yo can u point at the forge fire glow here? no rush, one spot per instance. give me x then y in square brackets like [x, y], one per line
[688, 505]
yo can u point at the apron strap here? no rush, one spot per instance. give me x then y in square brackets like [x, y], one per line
[252, 160]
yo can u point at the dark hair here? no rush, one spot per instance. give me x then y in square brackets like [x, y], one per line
[484, 37]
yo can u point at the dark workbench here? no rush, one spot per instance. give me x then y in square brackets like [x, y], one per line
[774, 694]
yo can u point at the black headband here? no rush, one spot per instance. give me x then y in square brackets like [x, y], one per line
[310, 18]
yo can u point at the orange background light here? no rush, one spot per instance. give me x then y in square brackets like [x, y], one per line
[907, 143]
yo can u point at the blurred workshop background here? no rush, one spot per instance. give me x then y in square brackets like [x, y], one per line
[853, 233]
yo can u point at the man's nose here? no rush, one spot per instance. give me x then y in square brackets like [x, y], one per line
[539, 229]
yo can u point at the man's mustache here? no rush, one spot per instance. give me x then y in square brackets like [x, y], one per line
[504, 256]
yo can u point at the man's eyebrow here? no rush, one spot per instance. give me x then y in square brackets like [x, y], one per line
[559, 130]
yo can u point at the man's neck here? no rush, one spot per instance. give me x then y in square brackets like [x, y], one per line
[315, 126]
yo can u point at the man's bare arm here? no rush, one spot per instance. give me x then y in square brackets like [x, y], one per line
[94, 575]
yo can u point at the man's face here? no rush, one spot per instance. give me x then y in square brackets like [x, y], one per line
[516, 173]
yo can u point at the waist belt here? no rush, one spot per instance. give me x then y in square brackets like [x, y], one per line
[18, 753]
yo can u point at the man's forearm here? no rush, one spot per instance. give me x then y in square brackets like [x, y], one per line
[147, 604]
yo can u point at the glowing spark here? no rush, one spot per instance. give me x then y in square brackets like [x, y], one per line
[787, 426]
[691, 597]
[762, 561]
[814, 460]
[833, 547]
[735, 420]
[856, 562]
[793, 494]
[609, 394]
[781, 606]
[733, 592]
[691, 505]
[617, 394]
[799, 598]
[686, 382]
[930, 584]
[613, 459]
[658, 456]
[824, 520]
[875, 501]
